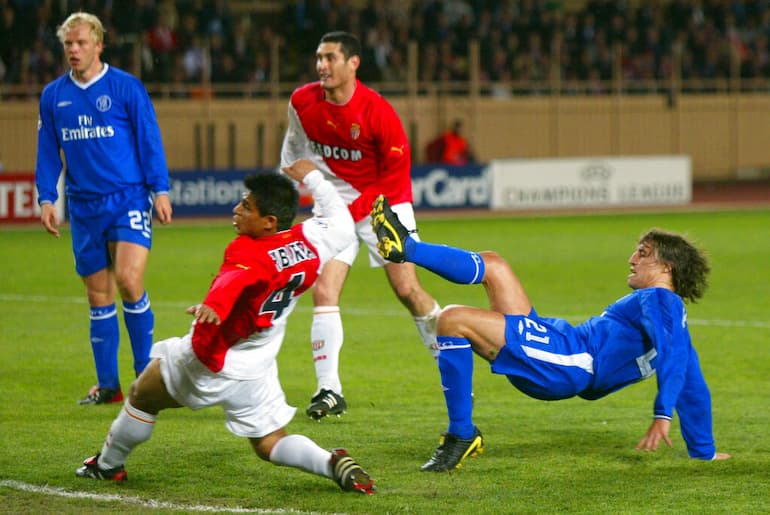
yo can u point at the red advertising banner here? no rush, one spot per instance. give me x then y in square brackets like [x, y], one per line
[18, 198]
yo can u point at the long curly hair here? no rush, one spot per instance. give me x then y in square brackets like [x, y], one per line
[689, 265]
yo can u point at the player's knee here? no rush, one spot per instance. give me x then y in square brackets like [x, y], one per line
[138, 399]
[495, 267]
[408, 291]
[148, 392]
[130, 286]
[263, 446]
[450, 320]
[324, 295]
[491, 258]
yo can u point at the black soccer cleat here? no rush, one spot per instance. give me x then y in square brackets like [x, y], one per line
[452, 450]
[102, 395]
[92, 470]
[349, 474]
[326, 402]
[391, 234]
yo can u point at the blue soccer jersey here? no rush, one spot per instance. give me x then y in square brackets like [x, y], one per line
[646, 333]
[108, 132]
[642, 334]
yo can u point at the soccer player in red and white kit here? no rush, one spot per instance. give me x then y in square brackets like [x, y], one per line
[228, 358]
[356, 138]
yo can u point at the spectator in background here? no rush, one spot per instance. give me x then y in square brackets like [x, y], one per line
[502, 87]
[188, 31]
[712, 36]
[396, 69]
[10, 50]
[260, 69]
[194, 61]
[451, 147]
[134, 17]
[163, 41]
[216, 18]
[225, 71]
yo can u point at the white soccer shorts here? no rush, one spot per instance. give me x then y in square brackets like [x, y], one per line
[366, 235]
[253, 407]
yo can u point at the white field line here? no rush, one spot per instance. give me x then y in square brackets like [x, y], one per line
[137, 501]
[45, 299]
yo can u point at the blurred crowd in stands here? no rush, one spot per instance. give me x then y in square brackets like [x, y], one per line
[519, 41]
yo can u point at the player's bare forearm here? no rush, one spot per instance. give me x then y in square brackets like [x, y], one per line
[299, 169]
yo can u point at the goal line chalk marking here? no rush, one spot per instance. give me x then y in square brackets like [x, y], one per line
[143, 503]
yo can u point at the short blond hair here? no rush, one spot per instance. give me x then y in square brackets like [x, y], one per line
[79, 18]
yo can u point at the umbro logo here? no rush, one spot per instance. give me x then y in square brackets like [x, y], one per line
[64, 103]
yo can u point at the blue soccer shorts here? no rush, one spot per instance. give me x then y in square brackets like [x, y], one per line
[121, 216]
[543, 357]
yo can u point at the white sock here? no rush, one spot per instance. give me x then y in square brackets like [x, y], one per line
[130, 428]
[426, 326]
[326, 336]
[301, 452]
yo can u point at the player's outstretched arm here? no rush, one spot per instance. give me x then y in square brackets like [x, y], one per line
[658, 431]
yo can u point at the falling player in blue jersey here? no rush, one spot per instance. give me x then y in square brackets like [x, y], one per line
[102, 120]
[642, 334]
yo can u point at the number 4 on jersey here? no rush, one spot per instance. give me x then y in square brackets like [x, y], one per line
[281, 299]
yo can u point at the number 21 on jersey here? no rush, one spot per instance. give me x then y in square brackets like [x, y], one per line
[534, 332]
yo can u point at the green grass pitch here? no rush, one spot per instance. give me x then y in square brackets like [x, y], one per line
[571, 456]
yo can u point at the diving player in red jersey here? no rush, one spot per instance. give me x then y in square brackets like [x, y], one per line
[356, 139]
[228, 358]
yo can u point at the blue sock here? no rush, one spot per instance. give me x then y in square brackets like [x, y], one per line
[105, 338]
[453, 264]
[455, 362]
[140, 321]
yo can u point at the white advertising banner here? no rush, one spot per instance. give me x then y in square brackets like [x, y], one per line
[591, 182]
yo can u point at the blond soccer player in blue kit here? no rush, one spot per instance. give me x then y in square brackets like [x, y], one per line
[102, 120]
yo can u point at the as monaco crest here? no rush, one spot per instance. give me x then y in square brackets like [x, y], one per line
[355, 131]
